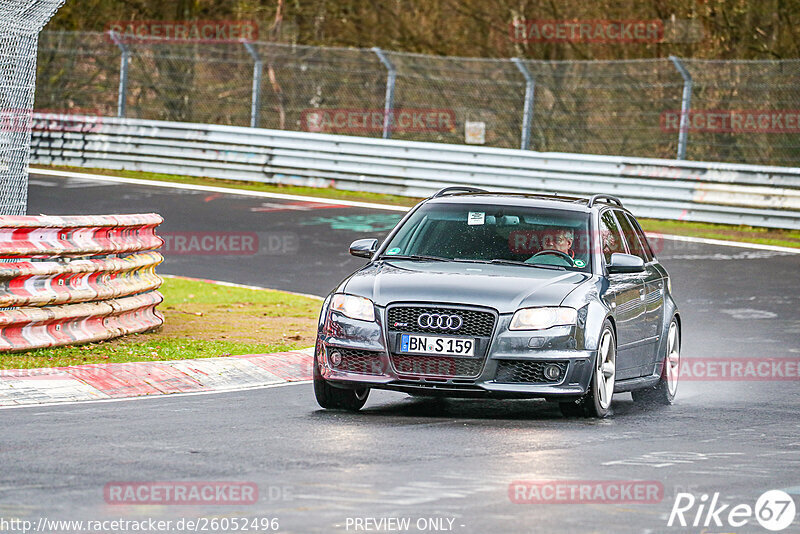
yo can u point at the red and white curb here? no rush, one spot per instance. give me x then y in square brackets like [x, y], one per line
[106, 381]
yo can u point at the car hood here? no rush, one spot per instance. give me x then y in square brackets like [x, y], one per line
[505, 288]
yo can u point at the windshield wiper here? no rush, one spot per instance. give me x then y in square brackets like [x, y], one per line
[422, 257]
[540, 265]
[416, 257]
[430, 258]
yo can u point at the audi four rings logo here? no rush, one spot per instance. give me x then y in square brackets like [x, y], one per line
[442, 322]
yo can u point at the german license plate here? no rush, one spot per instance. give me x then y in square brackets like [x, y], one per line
[451, 346]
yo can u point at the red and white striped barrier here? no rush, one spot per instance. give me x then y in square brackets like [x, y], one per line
[41, 283]
[50, 326]
[80, 235]
[77, 279]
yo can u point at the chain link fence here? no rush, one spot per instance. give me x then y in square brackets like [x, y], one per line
[21, 23]
[737, 111]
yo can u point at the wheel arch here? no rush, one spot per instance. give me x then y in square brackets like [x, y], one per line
[677, 317]
[596, 314]
[613, 322]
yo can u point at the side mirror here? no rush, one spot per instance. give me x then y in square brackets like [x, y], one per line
[363, 248]
[625, 263]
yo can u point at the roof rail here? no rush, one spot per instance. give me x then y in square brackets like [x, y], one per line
[612, 198]
[455, 188]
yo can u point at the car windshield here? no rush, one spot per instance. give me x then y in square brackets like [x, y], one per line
[528, 236]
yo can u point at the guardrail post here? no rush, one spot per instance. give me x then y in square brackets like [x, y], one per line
[686, 106]
[527, 111]
[388, 103]
[255, 99]
[124, 60]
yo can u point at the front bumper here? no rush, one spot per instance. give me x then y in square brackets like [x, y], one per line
[509, 368]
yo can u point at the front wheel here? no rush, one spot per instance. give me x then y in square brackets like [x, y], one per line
[597, 403]
[333, 398]
[664, 392]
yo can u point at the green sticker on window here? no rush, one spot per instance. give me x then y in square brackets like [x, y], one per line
[579, 263]
[393, 251]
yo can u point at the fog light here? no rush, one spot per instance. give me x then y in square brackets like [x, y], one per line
[552, 372]
[336, 358]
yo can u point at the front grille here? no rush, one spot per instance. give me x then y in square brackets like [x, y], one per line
[364, 362]
[475, 323]
[527, 372]
[441, 366]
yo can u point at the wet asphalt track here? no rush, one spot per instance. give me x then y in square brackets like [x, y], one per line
[404, 457]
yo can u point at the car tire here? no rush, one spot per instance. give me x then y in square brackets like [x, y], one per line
[597, 402]
[664, 392]
[333, 398]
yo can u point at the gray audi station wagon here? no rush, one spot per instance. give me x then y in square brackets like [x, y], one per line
[502, 295]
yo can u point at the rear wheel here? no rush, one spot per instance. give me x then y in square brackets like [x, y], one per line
[664, 392]
[597, 403]
[333, 398]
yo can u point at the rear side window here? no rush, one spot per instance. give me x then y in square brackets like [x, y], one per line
[634, 244]
[610, 236]
[646, 248]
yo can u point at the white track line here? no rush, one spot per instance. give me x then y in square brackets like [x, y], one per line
[161, 396]
[215, 189]
[738, 244]
[370, 205]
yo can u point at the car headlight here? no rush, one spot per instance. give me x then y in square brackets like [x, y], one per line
[541, 318]
[354, 307]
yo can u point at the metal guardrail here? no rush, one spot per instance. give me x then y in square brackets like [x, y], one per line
[96, 279]
[665, 189]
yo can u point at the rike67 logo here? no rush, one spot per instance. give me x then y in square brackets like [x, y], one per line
[774, 510]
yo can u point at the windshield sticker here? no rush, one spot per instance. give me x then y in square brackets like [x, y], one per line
[476, 217]
[393, 251]
[579, 263]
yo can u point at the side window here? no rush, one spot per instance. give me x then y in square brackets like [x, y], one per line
[630, 236]
[646, 248]
[610, 236]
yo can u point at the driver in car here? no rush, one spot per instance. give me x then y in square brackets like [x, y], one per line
[557, 240]
[560, 240]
